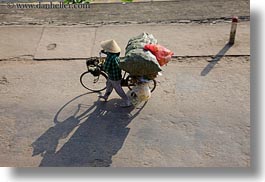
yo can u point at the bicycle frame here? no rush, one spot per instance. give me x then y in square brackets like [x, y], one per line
[124, 81]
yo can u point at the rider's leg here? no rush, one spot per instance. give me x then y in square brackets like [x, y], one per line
[117, 86]
[109, 89]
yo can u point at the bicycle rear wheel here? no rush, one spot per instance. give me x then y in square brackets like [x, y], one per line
[93, 83]
[131, 82]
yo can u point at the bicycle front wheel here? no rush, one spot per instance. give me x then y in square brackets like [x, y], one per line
[93, 83]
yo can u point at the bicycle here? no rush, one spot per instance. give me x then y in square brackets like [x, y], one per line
[94, 79]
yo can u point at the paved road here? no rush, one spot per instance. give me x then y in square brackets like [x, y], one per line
[150, 12]
[199, 115]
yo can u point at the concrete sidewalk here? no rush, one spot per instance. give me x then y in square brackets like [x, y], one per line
[79, 42]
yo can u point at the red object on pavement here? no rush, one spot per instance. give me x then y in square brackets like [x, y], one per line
[235, 19]
[162, 54]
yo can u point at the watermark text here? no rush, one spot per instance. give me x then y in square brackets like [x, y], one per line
[49, 5]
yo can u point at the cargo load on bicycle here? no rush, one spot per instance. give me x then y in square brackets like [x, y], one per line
[144, 57]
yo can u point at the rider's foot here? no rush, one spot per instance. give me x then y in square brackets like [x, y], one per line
[103, 97]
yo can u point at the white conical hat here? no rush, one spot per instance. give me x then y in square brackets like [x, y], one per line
[110, 46]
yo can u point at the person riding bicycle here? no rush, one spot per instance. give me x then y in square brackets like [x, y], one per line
[111, 67]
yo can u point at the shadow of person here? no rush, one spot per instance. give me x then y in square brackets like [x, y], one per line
[99, 133]
[48, 142]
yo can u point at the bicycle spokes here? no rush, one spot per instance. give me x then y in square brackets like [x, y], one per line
[96, 79]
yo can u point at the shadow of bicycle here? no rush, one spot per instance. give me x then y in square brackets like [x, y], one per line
[96, 132]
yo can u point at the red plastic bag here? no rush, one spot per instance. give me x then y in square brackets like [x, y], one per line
[162, 54]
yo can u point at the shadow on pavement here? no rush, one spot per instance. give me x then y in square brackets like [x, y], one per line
[215, 59]
[95, 135]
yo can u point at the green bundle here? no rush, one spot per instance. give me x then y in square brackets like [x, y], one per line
[137, 61]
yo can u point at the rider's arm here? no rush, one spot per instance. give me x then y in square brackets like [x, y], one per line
[117, 61]
[107, 65]
[103, 51]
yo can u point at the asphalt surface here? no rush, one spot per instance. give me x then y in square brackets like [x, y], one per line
[198, 116]
[201, 11]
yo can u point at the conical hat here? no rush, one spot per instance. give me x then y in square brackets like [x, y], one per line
[110, 46]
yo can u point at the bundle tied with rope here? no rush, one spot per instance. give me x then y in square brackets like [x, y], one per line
[144, 57]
